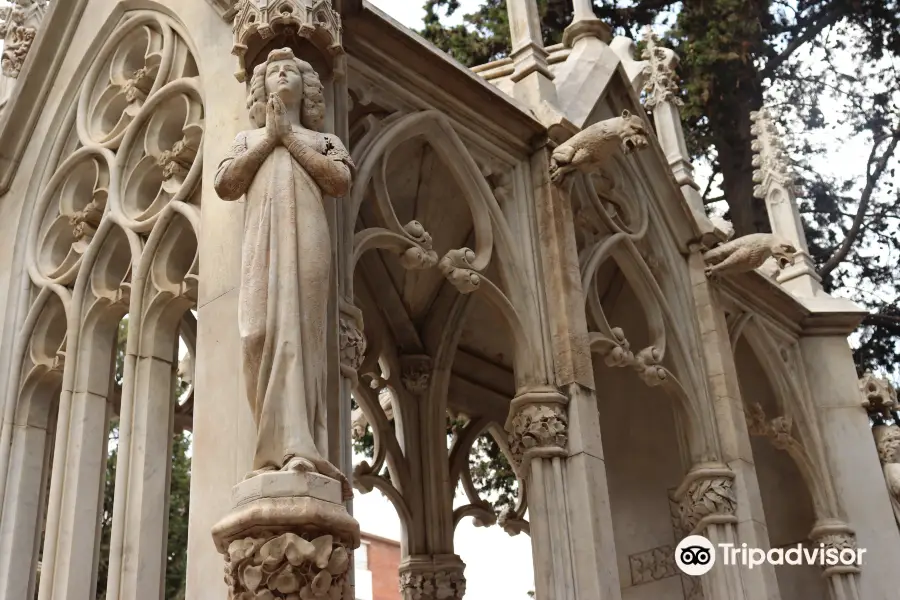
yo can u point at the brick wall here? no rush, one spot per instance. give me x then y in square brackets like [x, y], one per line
[383, 562]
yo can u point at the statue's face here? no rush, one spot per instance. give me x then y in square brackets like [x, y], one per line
[283, 78]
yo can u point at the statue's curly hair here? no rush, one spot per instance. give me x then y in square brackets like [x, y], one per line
[313, 107]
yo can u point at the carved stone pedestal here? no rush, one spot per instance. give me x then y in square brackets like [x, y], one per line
[289, 537]
[438, 577]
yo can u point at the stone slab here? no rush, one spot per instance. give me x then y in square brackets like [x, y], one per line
[286, 485]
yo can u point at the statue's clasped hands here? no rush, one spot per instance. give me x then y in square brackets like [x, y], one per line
[278, 126]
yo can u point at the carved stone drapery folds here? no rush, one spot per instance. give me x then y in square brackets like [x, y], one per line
[706, 497]
[432, 578]
[288, 566]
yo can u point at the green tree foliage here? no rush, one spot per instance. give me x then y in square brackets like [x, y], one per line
[179, 492]
[824, 65]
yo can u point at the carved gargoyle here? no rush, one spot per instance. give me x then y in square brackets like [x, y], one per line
[747, 253]
[588, 149]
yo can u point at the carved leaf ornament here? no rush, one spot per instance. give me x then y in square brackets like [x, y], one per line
[288, 567]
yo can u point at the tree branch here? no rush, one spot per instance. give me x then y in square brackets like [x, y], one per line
[810, 29]
[712, 176]
[872, 178]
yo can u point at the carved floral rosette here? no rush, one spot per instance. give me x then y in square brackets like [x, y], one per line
[706, 497]
[835, 535]
[288, 567]
[537, 426]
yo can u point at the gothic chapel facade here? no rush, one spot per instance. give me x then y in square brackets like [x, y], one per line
[296, 201]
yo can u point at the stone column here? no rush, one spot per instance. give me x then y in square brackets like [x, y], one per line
[834, 535]
[556, 431]
[853, 460]
[707, 506]
[731, 424]
[532, 77]
[585, 24]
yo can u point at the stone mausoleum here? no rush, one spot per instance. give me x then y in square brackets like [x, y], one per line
[296, 201]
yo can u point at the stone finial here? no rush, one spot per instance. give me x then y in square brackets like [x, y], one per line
[662, 82]
[258, 21]
[879, 396]
[770, 160]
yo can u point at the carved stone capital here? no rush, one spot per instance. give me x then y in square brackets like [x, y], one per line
[438, 577]
[415, 373]
[706, 497]
[351, 339]
[879, 396]
[835, 535]
[537, 426]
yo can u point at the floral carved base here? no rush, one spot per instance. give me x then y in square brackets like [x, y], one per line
[432, 578]
[282, 547]
[287, 566]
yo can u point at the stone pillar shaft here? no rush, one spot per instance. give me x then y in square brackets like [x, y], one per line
[853, 461]
[532, 77]
[734, 438]
[556, 431]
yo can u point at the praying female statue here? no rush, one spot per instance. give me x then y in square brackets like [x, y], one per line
[286, 168]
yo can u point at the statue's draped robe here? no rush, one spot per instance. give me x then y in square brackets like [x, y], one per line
[285, 277]
[892, 476]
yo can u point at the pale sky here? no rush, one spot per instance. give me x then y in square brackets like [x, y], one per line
[498, 567]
